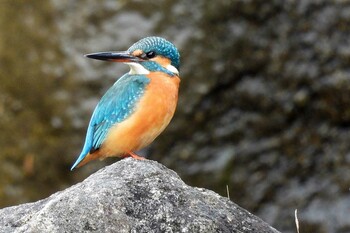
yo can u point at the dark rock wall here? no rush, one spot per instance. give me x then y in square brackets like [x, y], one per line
[272, 120]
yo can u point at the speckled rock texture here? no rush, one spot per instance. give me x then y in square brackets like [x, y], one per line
[132, 196]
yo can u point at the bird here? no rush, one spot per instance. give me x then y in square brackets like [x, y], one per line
[138, 106]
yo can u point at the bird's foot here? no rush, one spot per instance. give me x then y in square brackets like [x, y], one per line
[135, 156]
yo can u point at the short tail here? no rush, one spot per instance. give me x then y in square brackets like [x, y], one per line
[84, 159]
[80, 158]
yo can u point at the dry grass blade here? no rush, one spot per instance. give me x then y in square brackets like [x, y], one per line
[296, 220]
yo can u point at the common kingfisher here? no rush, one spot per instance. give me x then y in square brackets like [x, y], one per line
[139, 105]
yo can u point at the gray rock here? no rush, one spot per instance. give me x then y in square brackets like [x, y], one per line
[132, 196]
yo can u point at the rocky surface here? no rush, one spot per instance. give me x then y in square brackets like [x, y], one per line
[132, 196]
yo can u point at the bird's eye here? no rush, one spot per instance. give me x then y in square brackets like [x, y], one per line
[151, 54]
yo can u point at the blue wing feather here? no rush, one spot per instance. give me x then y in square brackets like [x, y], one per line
[115, 106]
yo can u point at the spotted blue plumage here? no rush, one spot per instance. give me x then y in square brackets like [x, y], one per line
[154, 66]
[160, 46]
[115, 106]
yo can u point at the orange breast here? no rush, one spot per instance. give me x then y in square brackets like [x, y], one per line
[153, 113]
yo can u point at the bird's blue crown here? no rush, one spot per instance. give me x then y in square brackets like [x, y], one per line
[160, 46]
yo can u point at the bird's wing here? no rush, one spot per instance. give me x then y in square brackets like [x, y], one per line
[115, 106]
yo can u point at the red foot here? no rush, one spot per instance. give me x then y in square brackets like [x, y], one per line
[135, 156]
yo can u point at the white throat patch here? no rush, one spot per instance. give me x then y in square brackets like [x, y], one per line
[136, 68]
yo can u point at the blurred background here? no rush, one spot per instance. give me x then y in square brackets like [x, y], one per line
[264, 102]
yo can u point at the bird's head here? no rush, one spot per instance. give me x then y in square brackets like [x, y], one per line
[147, 55]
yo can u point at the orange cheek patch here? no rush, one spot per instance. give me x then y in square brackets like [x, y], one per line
[137, 52]
[163, 61]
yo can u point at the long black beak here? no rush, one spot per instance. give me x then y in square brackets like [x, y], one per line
[114, 56]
